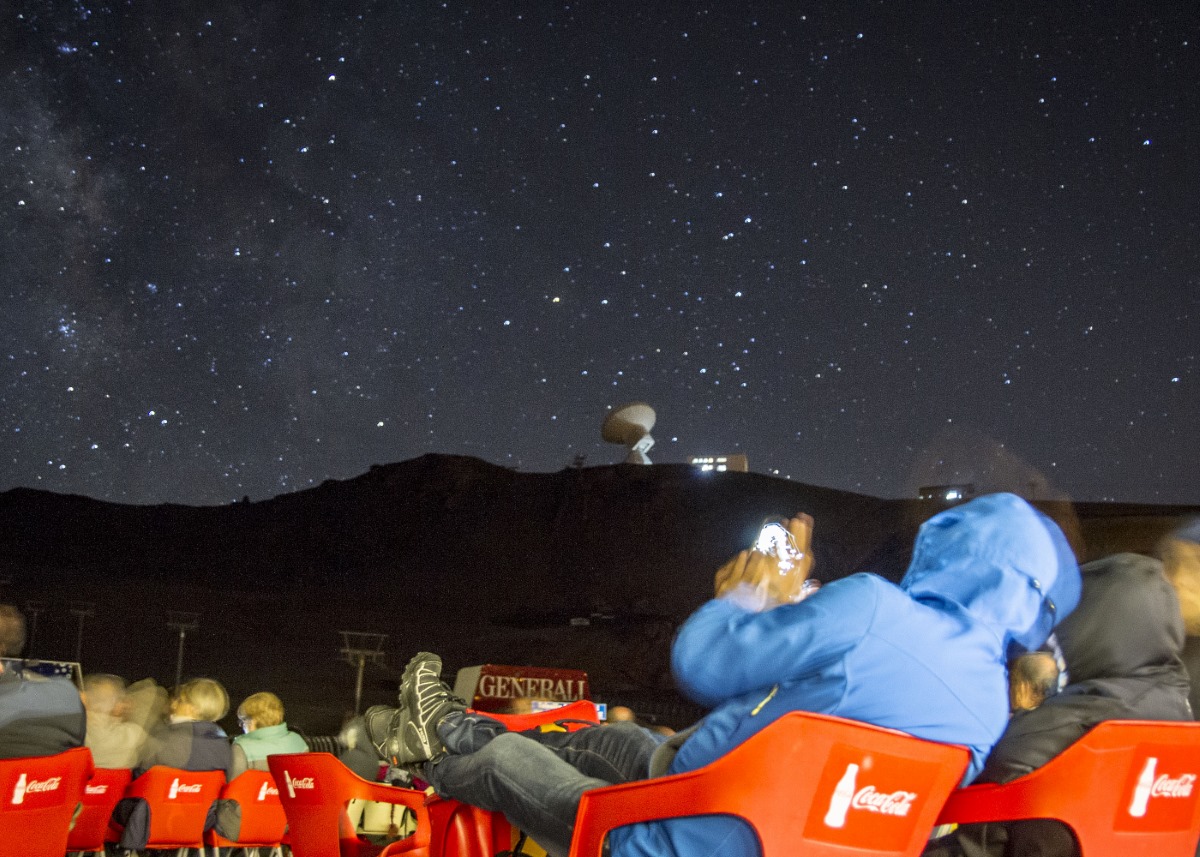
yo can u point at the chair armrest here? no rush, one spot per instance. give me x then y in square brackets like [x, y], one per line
[600, 810]
[410, 798]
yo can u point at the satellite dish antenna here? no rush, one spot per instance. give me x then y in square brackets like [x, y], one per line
[629, 425]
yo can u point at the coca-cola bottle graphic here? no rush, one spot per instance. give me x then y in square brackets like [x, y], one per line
[174, 790]
[843, 793]
[19, 789]
[287, 778]
[1141, 792]
[262, 793]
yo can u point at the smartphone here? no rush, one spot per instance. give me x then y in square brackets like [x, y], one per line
[775, 540]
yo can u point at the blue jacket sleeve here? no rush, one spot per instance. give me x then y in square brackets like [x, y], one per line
[724, 650]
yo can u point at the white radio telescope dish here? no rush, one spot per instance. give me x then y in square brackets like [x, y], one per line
[629, 425]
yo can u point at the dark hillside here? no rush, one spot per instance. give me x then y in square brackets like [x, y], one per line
[449, 553]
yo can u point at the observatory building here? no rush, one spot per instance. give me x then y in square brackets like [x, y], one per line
[720, 463]
[947, 493]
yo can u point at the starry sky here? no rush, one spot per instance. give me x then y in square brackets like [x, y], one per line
[248, 247]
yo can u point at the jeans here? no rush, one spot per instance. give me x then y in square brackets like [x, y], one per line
[536, 778]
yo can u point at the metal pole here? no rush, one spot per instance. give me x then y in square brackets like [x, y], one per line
[362, 663]
[82, 609]
[183, 622]
[358, 648]
[34, 609]
[179, 658]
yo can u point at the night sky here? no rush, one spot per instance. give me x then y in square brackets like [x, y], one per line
[250, 247]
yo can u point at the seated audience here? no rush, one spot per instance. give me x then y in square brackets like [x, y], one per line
[1121, 647]
[924, 657]
[190, 739]
[266, 733]
[1180, 552]
[38, 716]
[1032, 676]
[115, 741]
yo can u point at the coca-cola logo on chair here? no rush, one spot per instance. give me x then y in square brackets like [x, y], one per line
[868, 797]
[1160, 792]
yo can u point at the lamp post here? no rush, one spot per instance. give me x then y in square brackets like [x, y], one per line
[34, 609]
[81, 610]
[182, 622]
[358, 647]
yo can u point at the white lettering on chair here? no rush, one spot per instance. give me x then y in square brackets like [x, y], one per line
[889, 803]
[50, 785]
[1166, 786]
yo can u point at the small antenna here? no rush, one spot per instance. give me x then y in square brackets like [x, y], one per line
[629, 425]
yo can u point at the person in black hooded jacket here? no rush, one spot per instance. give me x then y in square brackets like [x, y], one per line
[1122, 648]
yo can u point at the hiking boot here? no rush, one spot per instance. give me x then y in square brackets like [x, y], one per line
[424, 700]
[381, 723]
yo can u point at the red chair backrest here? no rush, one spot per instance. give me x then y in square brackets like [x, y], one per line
[263, 820]
[579, 710]
[179, 802]
[1126, 788]
[315, 789]
[461, 830]
[806, 784]
[38, 795]
[100, 795]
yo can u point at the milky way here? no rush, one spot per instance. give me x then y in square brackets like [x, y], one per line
[870, 245]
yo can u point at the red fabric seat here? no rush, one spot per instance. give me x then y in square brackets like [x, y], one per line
[38, 796]
[100, 795]
[1106, 789]
[806, 784]
[263, 820]
[178, 801]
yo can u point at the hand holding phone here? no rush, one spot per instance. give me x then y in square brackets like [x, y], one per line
[778, 564]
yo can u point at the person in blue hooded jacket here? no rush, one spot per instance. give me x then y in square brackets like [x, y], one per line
[926, 657]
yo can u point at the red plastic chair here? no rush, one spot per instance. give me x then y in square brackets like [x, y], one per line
[462, 830]
[263, 820]
[580, 710]
[100, 795]
[315, 789]
[1107, 790]
[807, 784]
[38, 796]
[178, 802]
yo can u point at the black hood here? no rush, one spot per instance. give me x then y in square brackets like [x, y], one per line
[1128, 621]
[1122, 646]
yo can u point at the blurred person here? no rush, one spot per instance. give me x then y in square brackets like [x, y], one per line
[115, 741]
[621, 714]
[519, 705]
[189, 739]
[1180, 553]
[1032, 677]
[38, 716]
[926, 657]
[266, 733]
[1121, 647]
[625, 714]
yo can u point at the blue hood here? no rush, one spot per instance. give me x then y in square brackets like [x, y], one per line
[997, 543]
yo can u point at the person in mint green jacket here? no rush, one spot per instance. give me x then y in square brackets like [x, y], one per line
[261, 716]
